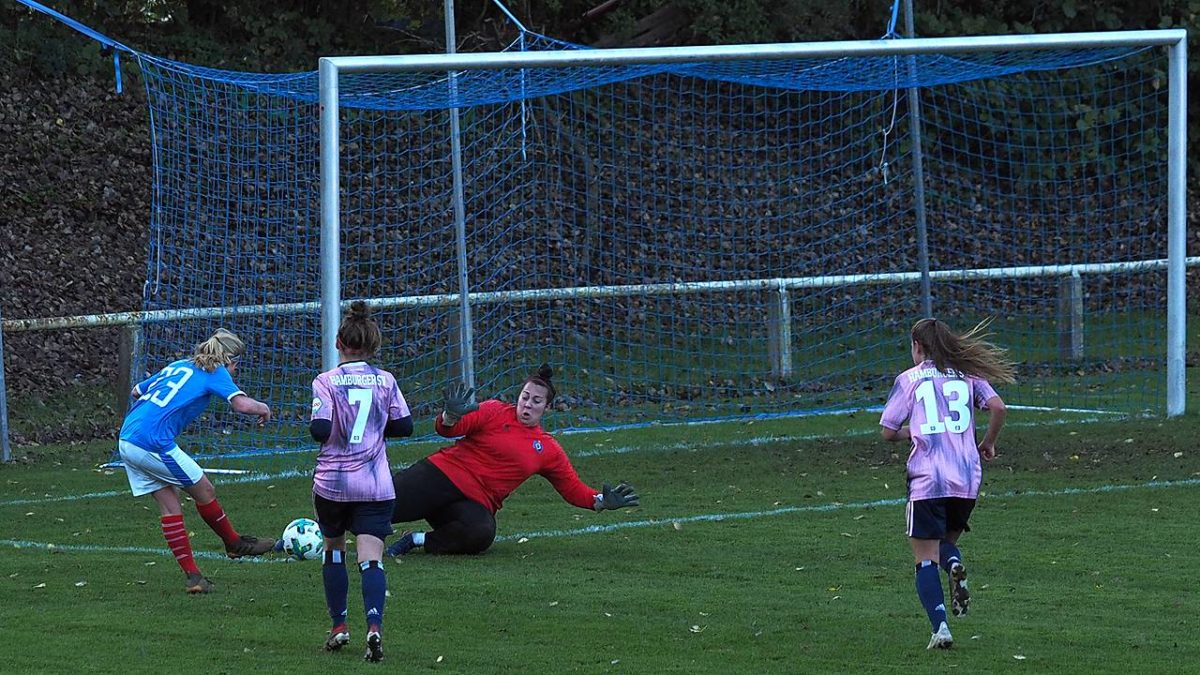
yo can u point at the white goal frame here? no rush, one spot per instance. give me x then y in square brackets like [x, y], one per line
[1174, 40]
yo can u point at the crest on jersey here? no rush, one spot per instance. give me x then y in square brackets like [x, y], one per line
[537, 446]
[316, 405]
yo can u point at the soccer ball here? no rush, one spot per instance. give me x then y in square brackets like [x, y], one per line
[302, 539]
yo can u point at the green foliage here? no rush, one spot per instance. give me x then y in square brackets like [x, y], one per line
[1033, 16]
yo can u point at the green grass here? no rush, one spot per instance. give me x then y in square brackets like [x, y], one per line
[811, 578]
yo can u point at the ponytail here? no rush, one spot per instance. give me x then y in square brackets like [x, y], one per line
[969, 353]
[219, 350]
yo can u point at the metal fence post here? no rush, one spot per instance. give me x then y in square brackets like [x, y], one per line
[5, 450]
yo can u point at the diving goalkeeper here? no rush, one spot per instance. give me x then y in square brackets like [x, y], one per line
[459, 489]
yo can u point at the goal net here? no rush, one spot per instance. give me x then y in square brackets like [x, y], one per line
[681, 241]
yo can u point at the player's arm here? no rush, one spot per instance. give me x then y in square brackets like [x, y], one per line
[562, 475]
[400, 422]
[399, 428]
[320, 425]
[998, 411]
[895, 413]
[320, 430]
[221, 384]
[241, 403]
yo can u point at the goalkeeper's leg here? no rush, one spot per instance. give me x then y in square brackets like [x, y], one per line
[464, 527]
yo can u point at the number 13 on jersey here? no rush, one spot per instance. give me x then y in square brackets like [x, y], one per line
[957, 394]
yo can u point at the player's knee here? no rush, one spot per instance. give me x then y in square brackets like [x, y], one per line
[478, 538]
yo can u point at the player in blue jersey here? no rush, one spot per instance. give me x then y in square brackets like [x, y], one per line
[164, 404]
[355, 407]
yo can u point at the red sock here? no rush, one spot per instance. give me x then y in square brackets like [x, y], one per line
[177, 538]
[214, 515]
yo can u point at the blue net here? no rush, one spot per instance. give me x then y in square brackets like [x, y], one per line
[681, 242]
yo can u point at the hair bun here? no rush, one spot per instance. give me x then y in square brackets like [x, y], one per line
[545, 372]
[359, 309]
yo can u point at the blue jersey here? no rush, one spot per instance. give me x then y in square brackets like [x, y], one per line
[170, 400]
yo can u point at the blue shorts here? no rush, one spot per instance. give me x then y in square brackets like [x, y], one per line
[335, 518]
[933, 518]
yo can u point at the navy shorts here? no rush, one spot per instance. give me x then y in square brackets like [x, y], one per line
[335, 518]
[933, 518]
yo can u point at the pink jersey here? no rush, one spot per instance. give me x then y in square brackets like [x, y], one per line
[938, 408]
[358, 399]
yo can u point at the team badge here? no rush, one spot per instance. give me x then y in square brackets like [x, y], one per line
[316, 405]
[537, 446]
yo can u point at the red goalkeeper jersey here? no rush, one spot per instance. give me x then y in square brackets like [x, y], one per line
[497, 453]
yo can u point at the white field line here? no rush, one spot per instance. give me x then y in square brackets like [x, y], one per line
[258, 477]
[835, 506]
[653, 522]
[138, 550]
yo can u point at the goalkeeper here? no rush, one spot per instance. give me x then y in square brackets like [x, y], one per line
[459, 489]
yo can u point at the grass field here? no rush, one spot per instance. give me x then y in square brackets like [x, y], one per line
[767, 547]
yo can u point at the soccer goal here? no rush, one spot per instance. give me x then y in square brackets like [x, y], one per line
[687, 233]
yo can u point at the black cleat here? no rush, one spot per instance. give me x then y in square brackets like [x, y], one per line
[197, 583]
[960, 597]
[338, 637]
[374, 647]
[249, 546]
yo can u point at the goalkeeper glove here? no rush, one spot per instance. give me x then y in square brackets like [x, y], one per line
[459, 401]
[616, 497]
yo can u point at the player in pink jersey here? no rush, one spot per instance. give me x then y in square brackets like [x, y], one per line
[936, 397]
[355, 407]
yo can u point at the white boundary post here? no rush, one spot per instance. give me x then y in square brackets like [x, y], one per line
[331, 310]
[5, 449]
[466, 331]
[1177, 229]
[918, 165]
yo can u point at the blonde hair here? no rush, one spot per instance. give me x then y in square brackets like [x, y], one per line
[219, 350]
[968, 353]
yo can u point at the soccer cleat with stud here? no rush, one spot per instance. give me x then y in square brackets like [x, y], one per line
[960, 597]
[402, 545]
[249, 546]
[338, 637]
[197, 583]
[374, 647]
[941, 639]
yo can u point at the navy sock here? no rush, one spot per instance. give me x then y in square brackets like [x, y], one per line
[948, 552]
[337, 585]
[929, 590]
[374, 591]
